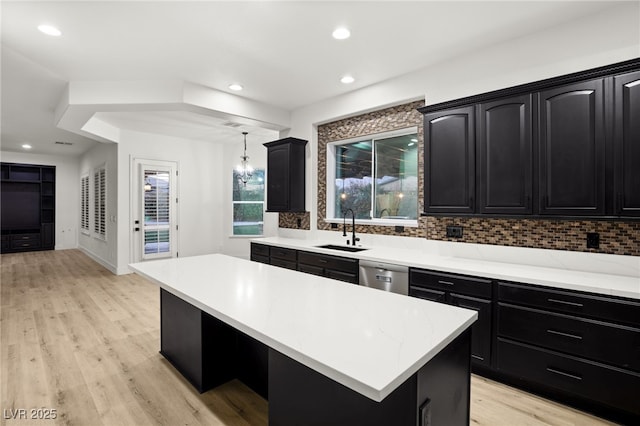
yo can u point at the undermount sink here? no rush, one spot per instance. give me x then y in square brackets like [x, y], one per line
[343, 248]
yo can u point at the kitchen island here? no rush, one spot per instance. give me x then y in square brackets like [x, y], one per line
[321, 351]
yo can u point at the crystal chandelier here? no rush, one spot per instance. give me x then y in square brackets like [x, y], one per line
[244, 170]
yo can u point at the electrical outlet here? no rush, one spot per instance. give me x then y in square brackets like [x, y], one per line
[299, 223]
[454, 231]
[399, 229]
[593, 240]
[334, 226]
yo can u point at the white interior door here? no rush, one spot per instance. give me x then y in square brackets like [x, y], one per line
[155, 220]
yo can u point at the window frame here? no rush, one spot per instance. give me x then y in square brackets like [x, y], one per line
[234, 202]
[330, 216]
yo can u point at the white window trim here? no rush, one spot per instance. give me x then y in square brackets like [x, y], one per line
[330, 165]
[85, 204]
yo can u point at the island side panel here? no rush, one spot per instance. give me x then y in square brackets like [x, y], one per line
[199, 346]
[444, 385]
[299, 395]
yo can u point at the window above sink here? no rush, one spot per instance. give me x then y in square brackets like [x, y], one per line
[375, 176]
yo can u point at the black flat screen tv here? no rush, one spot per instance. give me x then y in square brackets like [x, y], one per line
[20, 205]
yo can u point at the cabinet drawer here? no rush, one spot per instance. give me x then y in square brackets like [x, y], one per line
[605, 308]
[610, 386]
[259, 249]
[259, 258]
[428, 294]
[610, 343]
[341, 264]
[283, 263]
[309, 269]
[462, 284]
[283, 253]
[342, 276]
[24, 241]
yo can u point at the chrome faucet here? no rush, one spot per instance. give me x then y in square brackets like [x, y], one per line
[353, 226]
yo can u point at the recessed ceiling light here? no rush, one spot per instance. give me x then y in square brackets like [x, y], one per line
[347, 79]
[50, 30]
[235, 86]
[26, 146]
[341, 33]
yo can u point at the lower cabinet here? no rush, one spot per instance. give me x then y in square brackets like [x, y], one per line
[324, 265]
[573, 344]
[464, 291]
[335, 267]
[578, 348]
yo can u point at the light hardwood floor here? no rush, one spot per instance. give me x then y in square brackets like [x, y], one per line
[80, 340]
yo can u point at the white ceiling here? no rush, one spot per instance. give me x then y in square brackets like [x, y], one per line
[281, 52]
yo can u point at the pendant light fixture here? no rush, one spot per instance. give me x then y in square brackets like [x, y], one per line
[243, 169]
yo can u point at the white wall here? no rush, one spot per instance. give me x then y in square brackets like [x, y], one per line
[103, 251]
[200, 191]
[592, 41]
[67, 192]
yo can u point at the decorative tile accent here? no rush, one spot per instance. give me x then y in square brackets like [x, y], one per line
[393, 118]
[616, 236]
[290, 220]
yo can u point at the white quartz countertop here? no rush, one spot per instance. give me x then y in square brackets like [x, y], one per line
[605, 284]
[366, 339]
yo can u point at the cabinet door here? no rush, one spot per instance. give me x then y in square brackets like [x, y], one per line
[571, 132]
[480, 330]
[449, 161]
[278, 178]
[627, 144]
[505, 156]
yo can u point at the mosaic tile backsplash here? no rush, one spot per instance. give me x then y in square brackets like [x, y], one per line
[616, 236]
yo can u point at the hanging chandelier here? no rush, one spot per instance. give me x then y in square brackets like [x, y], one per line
[244, 170]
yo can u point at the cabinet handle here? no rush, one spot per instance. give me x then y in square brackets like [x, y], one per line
[477, 357]
[563, 373]
[25, 245]
[563, 334]
[564, 302]
[322, 261]
[528, 202]
[445, 282]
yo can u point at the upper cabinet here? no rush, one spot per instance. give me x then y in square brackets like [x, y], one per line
[449, 160]
[286, 175]
[505, 156]
[567, 146]
[627, 144]
[572, 149]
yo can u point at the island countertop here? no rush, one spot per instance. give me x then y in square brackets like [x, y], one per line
[368, 340]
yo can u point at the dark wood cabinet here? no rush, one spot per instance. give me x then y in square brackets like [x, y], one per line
[286, 175]
[565, 147]
[28, 207]
[449, 160]
[324, 265]
[627, 144]
[505, 156]
[572, 149]
[581, 346]
[464, 291]
[335, 267]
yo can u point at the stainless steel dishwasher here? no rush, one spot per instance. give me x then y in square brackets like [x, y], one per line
[384, 276]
